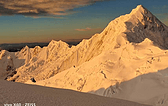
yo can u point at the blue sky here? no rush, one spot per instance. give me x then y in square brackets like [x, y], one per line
[68, 23]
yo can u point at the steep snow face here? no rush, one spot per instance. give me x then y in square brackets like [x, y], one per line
[9, 62]
[112, 66]
[4, 63]
[41, 63]
[130, 72]
[135, 27]
[143, 24]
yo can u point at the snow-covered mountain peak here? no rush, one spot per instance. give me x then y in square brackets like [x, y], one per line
[141, 24]
[58, 44]
[139, 8]
[26, 48]
[53, 42]
[143, 15]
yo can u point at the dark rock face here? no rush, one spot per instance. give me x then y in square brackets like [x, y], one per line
[11, 74]
[33, 80]
[8, 68]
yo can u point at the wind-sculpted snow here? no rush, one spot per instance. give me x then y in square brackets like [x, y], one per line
[131, 46]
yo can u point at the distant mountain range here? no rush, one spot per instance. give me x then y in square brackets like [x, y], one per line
[18, 46]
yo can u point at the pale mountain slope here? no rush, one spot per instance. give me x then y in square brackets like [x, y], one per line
[149, 88]
[9, 63]
[113, 73]
[103, 74]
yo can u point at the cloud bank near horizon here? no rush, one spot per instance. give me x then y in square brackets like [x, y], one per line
[42, 7]
[89, 29]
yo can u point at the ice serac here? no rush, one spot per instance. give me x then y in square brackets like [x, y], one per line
[41, 63]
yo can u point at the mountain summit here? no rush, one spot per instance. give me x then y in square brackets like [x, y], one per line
[137, 26]
[154, 29]
[143, 24]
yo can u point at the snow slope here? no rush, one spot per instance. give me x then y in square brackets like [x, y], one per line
[13, 93]
[123, 61]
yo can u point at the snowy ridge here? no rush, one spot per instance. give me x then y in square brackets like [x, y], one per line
[123, 61]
